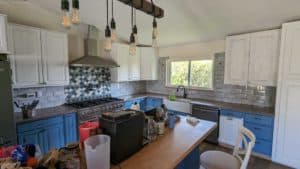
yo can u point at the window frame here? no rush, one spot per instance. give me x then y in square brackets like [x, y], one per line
[189, 59]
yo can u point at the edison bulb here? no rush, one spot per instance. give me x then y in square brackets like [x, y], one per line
[65, 19]
[75, 16]
[107, 44]
[113, 35]
[154, 43]
[154, 33]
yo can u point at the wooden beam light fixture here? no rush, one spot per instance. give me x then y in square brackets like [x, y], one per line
[145, 6]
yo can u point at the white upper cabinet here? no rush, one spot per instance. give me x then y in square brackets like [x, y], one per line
[134, 66]
[264, 54]
[252, 59]
[237, 59]
[38, 57]
[3, 34]
[26, 56]
[129, 69]
[149, 63]
[55, 58]
[120, 55]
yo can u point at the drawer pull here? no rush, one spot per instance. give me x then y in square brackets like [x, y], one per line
[256, 128]
[257, 142]
[257, 118]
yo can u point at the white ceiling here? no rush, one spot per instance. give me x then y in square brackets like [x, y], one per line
[189, 21]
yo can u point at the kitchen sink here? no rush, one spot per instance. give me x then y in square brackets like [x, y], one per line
[180, 105]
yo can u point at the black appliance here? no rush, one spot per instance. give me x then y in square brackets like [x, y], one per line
[7, 124]
[209, 113]
[126, 133]
[90, 110]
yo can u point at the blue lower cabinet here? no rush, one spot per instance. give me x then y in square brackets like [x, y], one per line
[191, 161]
[260, 132]
[49, 133]
[70, 127]
[146, 104]
[263, 147]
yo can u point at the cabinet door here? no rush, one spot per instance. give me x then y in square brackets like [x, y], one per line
[237, 59]
[36, 136]
[229, 128]
[3, 34]
[71, 132]
[25, 58]
[149, 64]
[286, 138]
[120, 55]
[135, 66]
[55, 136]
[55, 58]
[264, 55]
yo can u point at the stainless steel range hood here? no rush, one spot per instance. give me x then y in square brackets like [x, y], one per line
[93, 56]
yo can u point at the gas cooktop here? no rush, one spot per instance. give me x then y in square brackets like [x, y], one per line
[92, 103]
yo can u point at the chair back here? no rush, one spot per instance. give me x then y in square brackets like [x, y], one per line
[247, 139]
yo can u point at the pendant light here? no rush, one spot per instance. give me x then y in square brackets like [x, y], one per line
[65, 20]
[135, 29]
[107, 41]
[113, 23]
[132, 45]
[75, 12]
[154, 25]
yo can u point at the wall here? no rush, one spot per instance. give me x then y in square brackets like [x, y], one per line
[221, 92]
[204, 49]
[48, 96]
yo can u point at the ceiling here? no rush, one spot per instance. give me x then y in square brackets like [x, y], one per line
[188, 21]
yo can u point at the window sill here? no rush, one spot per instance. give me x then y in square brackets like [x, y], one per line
[191, 88]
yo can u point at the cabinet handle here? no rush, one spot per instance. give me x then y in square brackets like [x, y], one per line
[229, 118]
[257, 118]
[257, 128]
[257, 142]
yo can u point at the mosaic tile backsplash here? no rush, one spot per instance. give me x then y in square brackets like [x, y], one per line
[88, 83]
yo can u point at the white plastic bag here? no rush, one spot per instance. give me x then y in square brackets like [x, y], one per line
[97, 152]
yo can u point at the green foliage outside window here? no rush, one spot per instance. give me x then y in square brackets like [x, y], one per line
[194, 73]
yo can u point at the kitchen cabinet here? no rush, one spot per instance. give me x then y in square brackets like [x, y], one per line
[70, 127]
[149, 63]
[134, 66]
[252, 59]
[261, 125]
[120, 54]
[229, 127]
[146, 104]
[286, 135]
[26, 55]
[237, 59]
[54, 132]
[38, 57]
[55, 58]
[263, 60]
[3, 34]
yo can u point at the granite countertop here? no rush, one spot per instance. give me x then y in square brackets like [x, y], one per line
[45, 113]
[222, 105]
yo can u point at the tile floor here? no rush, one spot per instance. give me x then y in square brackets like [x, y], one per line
[254, 163]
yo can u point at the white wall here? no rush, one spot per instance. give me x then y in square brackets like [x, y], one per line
[203, 49]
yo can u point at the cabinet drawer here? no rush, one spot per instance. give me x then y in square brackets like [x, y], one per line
[259, 119]
[38, 124]
[263, 147]
[260, 132]
[232, 113]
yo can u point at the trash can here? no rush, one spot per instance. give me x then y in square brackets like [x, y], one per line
[97, 152]
[87, 129]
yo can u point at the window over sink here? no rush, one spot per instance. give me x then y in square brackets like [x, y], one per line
[195, 73]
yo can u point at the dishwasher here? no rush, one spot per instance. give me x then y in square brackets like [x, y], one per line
[209, 113]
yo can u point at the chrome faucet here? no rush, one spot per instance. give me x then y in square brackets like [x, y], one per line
[184, 90]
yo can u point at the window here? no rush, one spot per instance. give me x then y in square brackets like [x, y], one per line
[194, 73]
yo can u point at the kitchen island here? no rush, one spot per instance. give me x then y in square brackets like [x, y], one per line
[177, 148]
